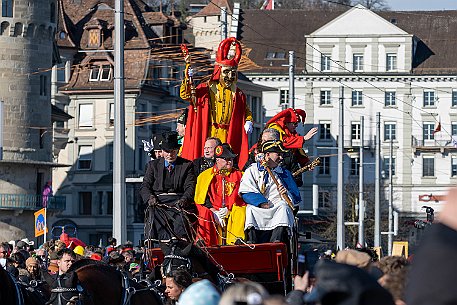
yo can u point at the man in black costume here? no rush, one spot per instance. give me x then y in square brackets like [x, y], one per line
[168, 189]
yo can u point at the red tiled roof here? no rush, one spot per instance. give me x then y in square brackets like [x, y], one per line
[214, 8]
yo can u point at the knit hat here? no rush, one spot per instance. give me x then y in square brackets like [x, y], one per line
[200, 293]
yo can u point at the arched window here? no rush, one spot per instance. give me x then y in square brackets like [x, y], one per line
[7, 8]
[53, 13]
[18, 27]
[5, 28]
[31, 30]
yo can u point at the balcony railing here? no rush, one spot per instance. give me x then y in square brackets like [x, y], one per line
[415, 142]
[30, 202]
[356, 143]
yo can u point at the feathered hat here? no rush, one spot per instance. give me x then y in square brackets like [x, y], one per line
[290, 115]
[228, 54]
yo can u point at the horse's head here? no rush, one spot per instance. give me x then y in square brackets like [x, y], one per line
[176, 255]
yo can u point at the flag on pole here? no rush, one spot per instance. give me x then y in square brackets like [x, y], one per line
[454, 141]
[268, 5]
[438, 128]
[40, 222]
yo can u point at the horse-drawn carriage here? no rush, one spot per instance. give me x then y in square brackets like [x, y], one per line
[271, 264]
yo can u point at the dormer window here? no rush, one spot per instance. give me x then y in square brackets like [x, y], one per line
[100, 73]
[94, 39]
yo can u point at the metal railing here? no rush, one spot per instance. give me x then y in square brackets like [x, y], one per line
[31, 202]
[415, 142]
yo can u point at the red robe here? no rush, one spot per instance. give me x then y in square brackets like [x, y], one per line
[198, 125]
[209, 184]
[290, 140]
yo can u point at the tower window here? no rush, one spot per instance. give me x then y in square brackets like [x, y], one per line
[7, 8]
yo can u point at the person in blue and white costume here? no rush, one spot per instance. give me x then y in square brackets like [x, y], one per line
[268, 216]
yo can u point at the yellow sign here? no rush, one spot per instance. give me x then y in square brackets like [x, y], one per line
[40, 222]
[400, 248]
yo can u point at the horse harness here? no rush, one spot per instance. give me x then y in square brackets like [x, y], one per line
[58, 292]
[129, 291]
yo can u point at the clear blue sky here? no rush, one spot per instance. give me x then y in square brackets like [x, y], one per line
[422, 5]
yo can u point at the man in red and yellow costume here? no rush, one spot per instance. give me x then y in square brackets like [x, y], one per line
[286, 123]
[221, 211]
[220, 108]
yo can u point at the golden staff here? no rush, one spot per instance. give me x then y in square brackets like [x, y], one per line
[278, 184]
[308, 167]
[193, 101]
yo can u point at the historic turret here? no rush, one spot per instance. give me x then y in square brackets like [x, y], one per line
[27, 30]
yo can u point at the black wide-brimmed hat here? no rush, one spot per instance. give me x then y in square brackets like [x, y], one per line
[273, 146]
[183, 117]
[169, 140]
[224, 151]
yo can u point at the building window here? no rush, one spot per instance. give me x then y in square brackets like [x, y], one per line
[284, 98]
[389, 131]
[60, 69]
[85, 157]
[324, 131]
[111, 115]
[391, 62]
[357, 63]
[325, 63]
[429, 98]
[53, 13]
[454, 129]
[109, 157]
[324, 199]
[7, 8]
[43, 85]
[454, 98]
[354, 167]
[386, 164]
[428, 129]
[357, 98]
[324, 167]
[109, 209]
[454, 166]
[428, 166]
[85, 203]
[155, 75]
[355, 131]
[100, 73]
[94, 39]
[86, 116]
[389, 99]
[275, 55]
[326, 96]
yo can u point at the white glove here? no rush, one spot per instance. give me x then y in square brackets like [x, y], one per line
[223, 212]
[248, 126]
[220, 220]
[147, 146]
[190, 72]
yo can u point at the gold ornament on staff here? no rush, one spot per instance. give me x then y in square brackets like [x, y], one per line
[307, 167]
[185, 53]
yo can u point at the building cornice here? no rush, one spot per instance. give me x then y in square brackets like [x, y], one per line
[354, 78]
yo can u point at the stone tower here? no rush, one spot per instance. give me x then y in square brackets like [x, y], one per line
[27, 29]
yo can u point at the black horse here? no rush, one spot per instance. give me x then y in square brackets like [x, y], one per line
[103, 284]
[17, 293]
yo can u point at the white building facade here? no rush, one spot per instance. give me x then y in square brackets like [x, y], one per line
[373, 60]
